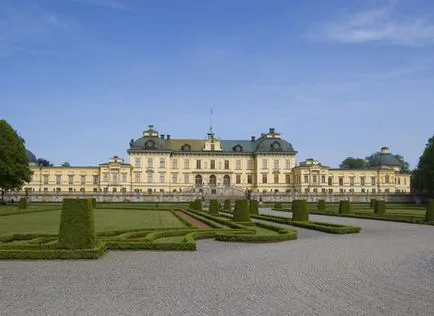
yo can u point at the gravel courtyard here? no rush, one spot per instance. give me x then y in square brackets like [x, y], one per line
[387, 269]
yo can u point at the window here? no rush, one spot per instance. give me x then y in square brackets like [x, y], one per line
[287, 164]
[373, 190]
[212, 164]
[186, 178]
[150, 177]
[198, 164]
[82, 190]
[249, 179]
[362, 180]
[238, 164]
[287, 178]
[314, 178]
[323, 190]
[114, 190]
[264, 178]
[70, 189]
[105, 176]
[150, 163]
[306, 190]
[45, 189]
[186, 163]
[363, 190]
[250, 164]
[58, 179]
[175, 164]
[405, 181]
[276, 178]
[386, 191]
[95, 179]
[276, 164]
[137, 163]
[162, 163]
[351, 190]
[323, 179]
[70, 179]
[185, 147]
[341, 190]
[387, 178]
[264, 164]
[83, 179]
[226, 164]
[95, 189]
[330, 190]
[306, 179]
[115, 178]
[237, 148]
[124, 177]
[372, 180]
[330, 181]
[341, 180]
[162, 178]
[175, 178]
[351, 180]
[137, 177]
[238, 179]
[212, 147]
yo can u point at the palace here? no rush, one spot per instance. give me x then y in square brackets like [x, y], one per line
[158, 163]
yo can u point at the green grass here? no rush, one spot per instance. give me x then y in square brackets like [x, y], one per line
[105, 220]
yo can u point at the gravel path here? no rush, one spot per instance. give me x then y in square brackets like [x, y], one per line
[196, 223]
[387, 269]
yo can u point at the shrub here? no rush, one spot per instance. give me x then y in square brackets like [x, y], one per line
[241, 211]
[300, 211]
[77, 227]
[227, 205]
[372, 204]
[380, 207]
[214, 207]
[22, 204]
[93, 202]
[196, 205]
[321, 205]
[429, 215]
[277, 206]
[344, 207]
[254, 207]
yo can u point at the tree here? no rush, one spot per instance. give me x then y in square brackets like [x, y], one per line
[65, 164]
[44, 163]
[405, 166]
[353, 163]
[14, 165]
[424, 173]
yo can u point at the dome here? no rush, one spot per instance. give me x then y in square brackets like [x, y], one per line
[31, 157]
[273, 144]
[385, 158]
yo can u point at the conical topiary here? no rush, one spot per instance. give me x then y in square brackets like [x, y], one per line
[254, 207]
[214, 207]
[344, 207]
[380, 207]
[241, 211]
[300, 211]
[227, 205]
[429, 215]
[321, 205]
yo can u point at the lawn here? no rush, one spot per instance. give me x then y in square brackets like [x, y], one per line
[105, 220]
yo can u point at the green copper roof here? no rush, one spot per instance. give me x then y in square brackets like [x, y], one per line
[385, 160]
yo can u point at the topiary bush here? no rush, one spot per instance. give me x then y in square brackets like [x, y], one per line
[344, 207]
[380, 207]
[321, 205]
[241, 211]
[300, 212]
[227, 205]
[22, 204]
[277, 206]
[77, 226]
[372, 204]
[254, 207]
[429, 215]
[214, 207]
[93, 202]
[196, 205]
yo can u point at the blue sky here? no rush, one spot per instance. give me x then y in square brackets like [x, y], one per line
[337, 78]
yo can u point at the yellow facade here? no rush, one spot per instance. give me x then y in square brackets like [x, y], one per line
[267, 164]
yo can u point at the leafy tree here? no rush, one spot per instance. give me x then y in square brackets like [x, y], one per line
[353, 163]
[65, 164]
[14, 165]
[44, 163]
[424, 173]
[405, 166]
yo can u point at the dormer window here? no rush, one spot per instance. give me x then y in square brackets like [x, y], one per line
[238, 148]
[276, 146]
[150, 144]
[186, 147]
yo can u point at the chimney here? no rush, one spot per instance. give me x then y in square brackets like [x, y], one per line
[262, 134]
[271, 130]
[162, 136]
[168, 137]
[385, 150]
[253, 138]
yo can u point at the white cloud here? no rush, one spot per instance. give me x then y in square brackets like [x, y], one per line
[377, 25]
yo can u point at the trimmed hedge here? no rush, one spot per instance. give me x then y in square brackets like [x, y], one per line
[429, 215]
[22, 204]
[344, 207]
[77, 226]
[321, 205]
[277, 206]
[380, 207]
[372, 203]
[227, 205]
[300, 212]
[93, 202]
[214, 207]
[254, 206]
[241, 211]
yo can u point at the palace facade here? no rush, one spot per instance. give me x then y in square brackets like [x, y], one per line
[158, 163]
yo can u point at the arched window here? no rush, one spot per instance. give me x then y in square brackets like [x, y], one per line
[198, 180]
[226, 180]
[185, 147]
[238, 148]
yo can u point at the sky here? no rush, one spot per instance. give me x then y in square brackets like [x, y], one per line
[80, 78]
